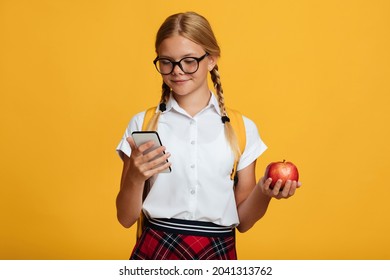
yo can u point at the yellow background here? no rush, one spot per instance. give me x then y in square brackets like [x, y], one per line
[313, 75]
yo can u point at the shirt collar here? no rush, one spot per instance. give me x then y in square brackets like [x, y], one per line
[214, 103]
[172, 104]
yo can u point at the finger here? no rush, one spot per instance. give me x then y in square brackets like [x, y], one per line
[156, 166]
[286, 189]
[293, 188]
[164, 166]
[133, 147]
[265, 184]
[152, 159]
[138, 150]
[156, 153]
[277, 187]
[157, 170]
[131, 142]
[149, 162]
[145, 146]
[161, 159]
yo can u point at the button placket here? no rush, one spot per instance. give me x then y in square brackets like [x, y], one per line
[193, 172]
[193, 148]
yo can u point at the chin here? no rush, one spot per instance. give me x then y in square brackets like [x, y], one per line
[181, 91]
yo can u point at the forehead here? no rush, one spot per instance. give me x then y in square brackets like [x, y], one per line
[178, 46]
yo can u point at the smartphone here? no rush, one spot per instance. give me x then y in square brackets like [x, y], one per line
[141, 137]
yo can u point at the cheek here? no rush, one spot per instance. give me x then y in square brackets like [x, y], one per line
[166, 79]
[202, 73]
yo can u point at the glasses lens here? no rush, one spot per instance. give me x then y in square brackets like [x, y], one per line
[189, 65]
[164, 66]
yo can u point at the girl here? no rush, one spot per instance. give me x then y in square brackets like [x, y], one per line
[191, 213]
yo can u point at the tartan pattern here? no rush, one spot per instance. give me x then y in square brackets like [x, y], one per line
[160, 245]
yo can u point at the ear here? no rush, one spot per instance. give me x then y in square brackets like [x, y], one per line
[212, 62]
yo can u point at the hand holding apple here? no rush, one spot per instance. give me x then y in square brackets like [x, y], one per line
[281, 170]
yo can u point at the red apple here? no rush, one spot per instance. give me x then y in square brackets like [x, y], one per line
[281, 170]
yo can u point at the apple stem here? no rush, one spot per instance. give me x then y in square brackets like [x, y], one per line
[284, 161]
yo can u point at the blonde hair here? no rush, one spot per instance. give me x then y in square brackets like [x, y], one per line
[196, 28]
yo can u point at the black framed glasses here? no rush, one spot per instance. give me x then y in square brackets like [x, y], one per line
[188, 65]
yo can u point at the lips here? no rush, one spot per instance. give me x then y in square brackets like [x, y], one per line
[179, 81]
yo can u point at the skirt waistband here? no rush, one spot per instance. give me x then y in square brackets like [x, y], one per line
[188, 227]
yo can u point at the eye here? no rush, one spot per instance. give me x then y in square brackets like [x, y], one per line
[189, 61]
[164, 62]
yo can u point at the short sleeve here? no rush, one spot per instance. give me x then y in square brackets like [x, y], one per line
[135, 124]
[254, 145]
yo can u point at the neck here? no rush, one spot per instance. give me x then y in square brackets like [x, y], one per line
[193, 103]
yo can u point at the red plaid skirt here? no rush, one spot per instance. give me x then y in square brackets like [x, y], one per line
[159, 243]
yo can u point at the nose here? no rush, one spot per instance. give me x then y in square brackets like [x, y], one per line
[177, 69]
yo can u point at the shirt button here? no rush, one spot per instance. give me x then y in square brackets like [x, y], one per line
[192, 122]
[192, 191]
[193, 142]
[192, 166]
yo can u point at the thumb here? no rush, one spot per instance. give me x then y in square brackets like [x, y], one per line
[131, 142]
[263, 180]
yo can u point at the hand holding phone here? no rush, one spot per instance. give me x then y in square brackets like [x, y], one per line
[141, 137]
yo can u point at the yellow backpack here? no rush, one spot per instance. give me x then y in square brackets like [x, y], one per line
[237, 122]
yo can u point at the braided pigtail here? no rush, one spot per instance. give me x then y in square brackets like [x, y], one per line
[229, 131]
[166, 90]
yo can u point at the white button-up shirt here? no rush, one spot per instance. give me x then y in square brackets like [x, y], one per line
[199, 186]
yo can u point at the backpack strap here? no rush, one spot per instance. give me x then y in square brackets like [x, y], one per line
[148, 116]
[141, 220]
[237, 122]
